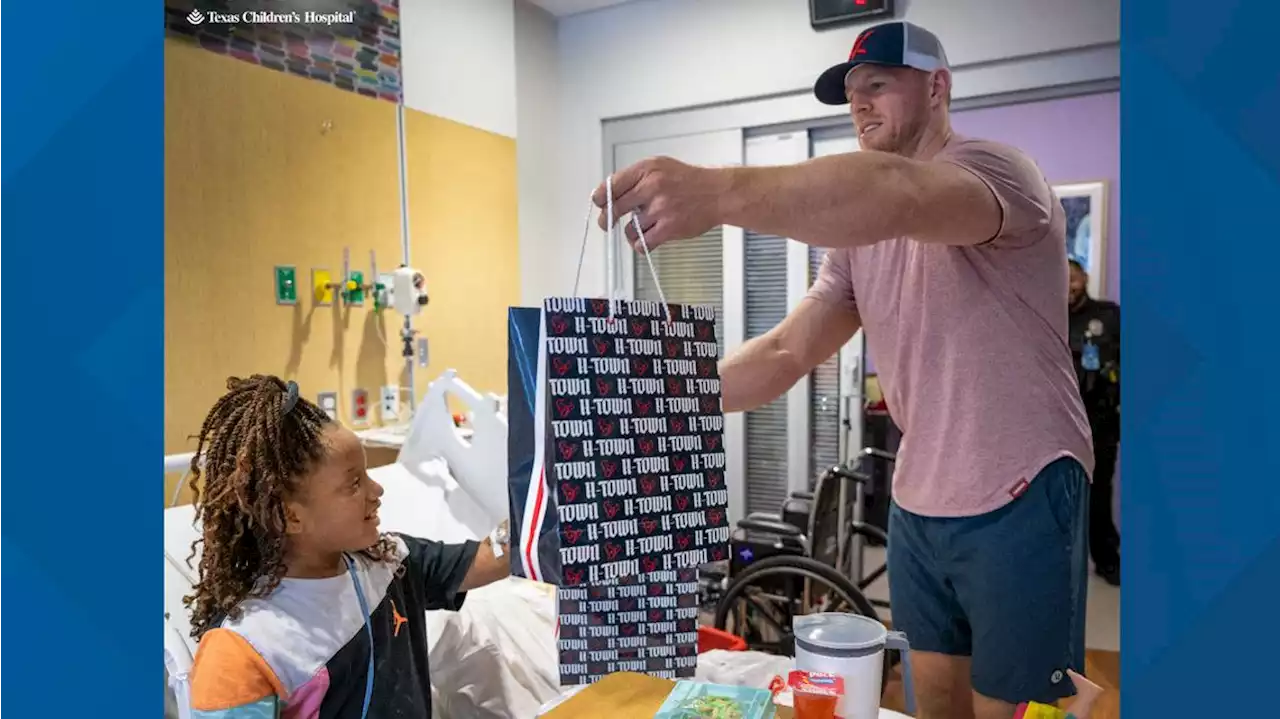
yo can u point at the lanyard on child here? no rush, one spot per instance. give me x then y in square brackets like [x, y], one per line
[368, 628]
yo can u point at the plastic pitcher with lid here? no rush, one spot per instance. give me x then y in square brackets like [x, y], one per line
[851, 646]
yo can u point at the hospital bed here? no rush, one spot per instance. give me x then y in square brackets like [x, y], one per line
[496, 657]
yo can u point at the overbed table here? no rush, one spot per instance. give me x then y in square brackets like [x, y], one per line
[635, 696]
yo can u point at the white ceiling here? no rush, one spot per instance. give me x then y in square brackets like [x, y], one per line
[560, 8]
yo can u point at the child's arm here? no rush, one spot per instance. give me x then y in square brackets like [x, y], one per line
[230, 680]
[448, 571]
[491, 563]
[1087, 694]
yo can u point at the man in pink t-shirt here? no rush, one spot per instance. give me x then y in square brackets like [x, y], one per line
[950, 253]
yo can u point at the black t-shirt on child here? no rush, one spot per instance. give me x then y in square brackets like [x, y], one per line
[304, 650]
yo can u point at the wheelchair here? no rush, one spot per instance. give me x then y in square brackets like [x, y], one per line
[808, 558]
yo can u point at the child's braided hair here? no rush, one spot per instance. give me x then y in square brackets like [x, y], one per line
[254, 448]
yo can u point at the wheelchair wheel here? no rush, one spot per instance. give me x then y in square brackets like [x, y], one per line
[764, 598]
[770, 587]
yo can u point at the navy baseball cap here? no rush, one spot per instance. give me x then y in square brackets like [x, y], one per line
[896, 44]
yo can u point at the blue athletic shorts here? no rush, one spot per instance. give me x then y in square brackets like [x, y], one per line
[1007, 588]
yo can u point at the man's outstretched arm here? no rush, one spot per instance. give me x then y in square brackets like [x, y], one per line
[767, 366]
[862, 198]
[852, 199]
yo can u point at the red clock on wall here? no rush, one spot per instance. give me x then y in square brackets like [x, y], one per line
[831, 13]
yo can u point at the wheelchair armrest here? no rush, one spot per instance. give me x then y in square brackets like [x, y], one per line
[876, 453]
[802, 496]
[770, 525]
[851, 475]
[870, 531]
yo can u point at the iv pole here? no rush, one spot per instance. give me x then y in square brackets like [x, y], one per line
[407, 332]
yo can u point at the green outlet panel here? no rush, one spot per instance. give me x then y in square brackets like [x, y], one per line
[355, 288]
[286, 285]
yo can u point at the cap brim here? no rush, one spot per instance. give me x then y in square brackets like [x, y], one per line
[829, 88]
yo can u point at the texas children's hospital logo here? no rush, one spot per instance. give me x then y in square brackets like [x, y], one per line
[270, 17]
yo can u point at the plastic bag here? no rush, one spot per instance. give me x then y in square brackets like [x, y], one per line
[496, 657]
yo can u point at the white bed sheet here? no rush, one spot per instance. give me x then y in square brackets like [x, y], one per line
[496, 658]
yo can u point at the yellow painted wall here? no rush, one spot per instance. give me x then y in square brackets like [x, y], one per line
[263, 168]
[462, 217]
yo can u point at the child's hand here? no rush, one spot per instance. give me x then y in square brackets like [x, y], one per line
[1087, 694]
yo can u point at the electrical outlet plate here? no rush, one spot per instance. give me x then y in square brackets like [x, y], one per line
[390, 404]
[360, 406]
[382, 296]
[355, 288]
[422, 352]
[328, 401]
[286, 285]
[322, 286]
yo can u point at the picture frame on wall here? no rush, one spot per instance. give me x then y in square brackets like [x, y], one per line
[1085, 205]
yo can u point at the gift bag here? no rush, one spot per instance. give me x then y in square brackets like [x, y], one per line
[533, 538]
[615, 443]
[616, 481]
[645, 623]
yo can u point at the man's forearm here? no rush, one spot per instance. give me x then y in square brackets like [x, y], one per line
[758, 373]
[858, 198]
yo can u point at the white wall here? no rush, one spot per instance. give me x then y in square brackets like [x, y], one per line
[654, 55]
[459, 61]
[494, 65]
[538, 127]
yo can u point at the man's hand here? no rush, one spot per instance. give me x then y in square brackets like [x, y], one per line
[673, 200]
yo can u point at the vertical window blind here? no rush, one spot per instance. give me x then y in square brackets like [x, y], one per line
[691, 272]
[765, 296]
[824, 399]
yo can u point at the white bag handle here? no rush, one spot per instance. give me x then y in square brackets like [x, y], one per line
[611, 248]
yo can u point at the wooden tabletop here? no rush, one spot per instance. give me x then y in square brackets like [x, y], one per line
[623, 696]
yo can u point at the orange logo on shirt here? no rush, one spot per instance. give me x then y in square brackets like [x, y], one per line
[395, 613]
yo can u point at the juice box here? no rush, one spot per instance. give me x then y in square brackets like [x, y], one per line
[815, 695]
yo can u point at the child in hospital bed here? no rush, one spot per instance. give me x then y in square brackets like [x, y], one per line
[296, 581]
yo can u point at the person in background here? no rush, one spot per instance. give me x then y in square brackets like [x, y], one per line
[949, 252]
[1095, 347]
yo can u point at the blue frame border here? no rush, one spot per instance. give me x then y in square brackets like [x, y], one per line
[83, 304]
[1201, 450]
[83, 194]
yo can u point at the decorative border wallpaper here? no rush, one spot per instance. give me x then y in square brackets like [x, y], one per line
[356, 49]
